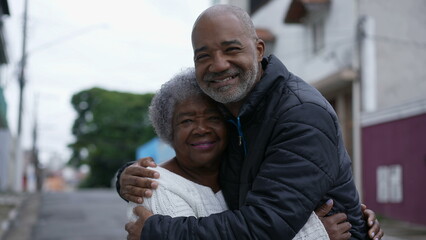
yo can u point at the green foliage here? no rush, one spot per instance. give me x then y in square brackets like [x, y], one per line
[109, 127]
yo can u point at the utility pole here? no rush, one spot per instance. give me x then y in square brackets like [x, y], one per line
[34, 151]
[23, 63]
[18, 178]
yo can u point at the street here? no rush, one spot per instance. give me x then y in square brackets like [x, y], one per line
[101, 214]
[79, 215]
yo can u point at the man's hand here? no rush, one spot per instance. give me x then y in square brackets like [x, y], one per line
[134, 185]
[370, 217]
[134, 229]
[336, 225]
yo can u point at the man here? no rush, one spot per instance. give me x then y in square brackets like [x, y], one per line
[285, 156]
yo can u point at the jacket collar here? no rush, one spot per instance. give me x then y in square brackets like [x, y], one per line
[273, 69]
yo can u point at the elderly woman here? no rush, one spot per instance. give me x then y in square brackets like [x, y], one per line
[187, 119]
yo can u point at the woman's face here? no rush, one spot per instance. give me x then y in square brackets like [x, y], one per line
[199, 132]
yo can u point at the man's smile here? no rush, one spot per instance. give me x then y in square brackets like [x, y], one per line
[220, 83]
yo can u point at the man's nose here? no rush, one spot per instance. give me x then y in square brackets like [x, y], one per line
[219, 64]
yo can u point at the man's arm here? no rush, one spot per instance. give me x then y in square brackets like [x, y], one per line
[336, 225]
[288, 186]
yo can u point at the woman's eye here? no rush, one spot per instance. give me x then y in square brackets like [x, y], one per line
[186, 121]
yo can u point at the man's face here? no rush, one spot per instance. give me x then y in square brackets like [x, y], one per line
[226, 58]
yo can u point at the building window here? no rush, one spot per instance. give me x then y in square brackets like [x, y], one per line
[389, 184]
[257, 4]
[318, 36]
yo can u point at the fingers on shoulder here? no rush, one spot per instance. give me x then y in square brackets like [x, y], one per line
[146, 162]
[138, 171]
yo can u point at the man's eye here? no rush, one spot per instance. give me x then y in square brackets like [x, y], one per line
[233, 49]
[200, 57]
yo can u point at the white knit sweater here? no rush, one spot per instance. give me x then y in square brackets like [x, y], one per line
[179, 197]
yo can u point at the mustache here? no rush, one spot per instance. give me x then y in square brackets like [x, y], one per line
[214, 76]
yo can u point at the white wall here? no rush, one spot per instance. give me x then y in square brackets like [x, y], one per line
[288, 46]
[293, 41]
[401, 49]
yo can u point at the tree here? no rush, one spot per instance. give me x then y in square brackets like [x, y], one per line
[109, 127]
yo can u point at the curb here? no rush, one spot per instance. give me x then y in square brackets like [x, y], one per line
[16, 200]
[5, 224]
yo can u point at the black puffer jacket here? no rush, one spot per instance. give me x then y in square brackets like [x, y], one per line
[286, 156]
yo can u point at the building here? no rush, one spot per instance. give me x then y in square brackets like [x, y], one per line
[5, 136]
[394, 128]
[367, 58]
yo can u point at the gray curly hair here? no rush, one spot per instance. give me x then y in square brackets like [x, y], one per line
[179, 88]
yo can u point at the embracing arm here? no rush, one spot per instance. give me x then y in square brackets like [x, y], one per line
[336, 225]
[300, 166]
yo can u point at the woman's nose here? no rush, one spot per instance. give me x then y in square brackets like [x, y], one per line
[202, 128]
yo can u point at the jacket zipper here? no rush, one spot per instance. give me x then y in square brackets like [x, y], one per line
[241, 140]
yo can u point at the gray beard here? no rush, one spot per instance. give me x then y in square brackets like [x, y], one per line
[248, 79]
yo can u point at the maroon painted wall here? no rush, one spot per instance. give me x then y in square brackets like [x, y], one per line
[400, 142]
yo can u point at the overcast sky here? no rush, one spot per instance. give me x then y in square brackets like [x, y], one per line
[127, 45]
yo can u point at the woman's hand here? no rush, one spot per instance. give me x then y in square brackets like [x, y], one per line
[338, 228]
[374, 231]
[336, 225]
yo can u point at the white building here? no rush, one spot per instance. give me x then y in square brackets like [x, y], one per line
[368, 59]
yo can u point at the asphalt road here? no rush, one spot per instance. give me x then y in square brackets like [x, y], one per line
[101, 214]
[80, 215]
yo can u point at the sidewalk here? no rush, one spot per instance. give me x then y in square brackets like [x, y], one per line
[397, 230]
[9, 204]
[15, 226]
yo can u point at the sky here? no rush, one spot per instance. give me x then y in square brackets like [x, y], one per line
[73, 45]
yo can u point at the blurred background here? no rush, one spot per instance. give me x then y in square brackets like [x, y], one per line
[77, 77]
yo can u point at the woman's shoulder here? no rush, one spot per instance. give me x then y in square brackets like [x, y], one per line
[183, 192]
[169, 178]
[179, 185]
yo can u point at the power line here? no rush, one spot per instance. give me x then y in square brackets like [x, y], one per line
[406, 42]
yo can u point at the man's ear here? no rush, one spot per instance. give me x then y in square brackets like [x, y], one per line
[260, 47]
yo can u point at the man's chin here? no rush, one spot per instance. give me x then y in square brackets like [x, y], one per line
[228, 100]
